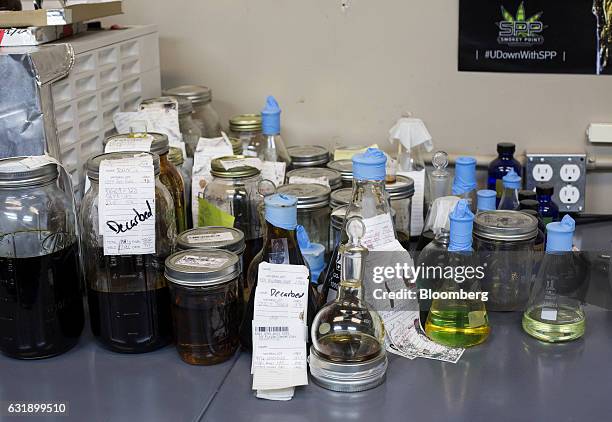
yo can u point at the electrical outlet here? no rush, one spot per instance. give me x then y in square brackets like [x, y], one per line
[566, 172]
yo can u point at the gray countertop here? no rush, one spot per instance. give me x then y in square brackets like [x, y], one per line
[510, 377]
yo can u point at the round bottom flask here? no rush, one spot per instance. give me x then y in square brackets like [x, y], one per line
[347, 352]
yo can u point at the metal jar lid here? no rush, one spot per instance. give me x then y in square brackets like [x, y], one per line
[345, 167]
[308, 155]
[184, 106]
[218, 170]
[198, 94]
[93, 163]
[14, 173]
[236, 146]
[348, 377]
[341, 197]
[505, 225]
[212, 237]
[402, 188]
[175, 156]
[245, 123]
[160, 144]
[333, 177]
[309, 195]
[202, 268]
[338, 216]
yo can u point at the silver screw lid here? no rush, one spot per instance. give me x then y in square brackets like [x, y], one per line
[202, 268]
[308, 155]
[309, 195]
[505, 225]
[14, 172]
[198, 94]
[402, 188]
[212, 237]
[341, 197]
[345, 167]
[333, 177]
[159, 146]
[93, 163]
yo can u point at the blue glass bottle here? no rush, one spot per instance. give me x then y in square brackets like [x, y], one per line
[499, 167]
[548, 209]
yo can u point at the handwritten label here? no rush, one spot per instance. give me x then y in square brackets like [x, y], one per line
[141, 143]
[274, 171]
[242, 162]
[153, 119]
[202, 261]
[126, 209]
[282, 292]
[379, 231]
[209, 238]
[298, 180]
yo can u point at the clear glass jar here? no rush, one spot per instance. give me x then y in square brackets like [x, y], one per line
[312, 211]
[231, 199]
[304, 156]
[206, 304]
[504, 241]
[204, 114]
[400, 197]
[175, 157]
[189, 129]
[341, 197]
[40, 277]
[129, 300]
[247, 128]
[345, 168]
[169, 175]
[316, 174]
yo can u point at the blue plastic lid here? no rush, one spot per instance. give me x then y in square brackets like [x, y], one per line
[270, 117]
[281, 210]
[370, 165]
[560, 235]
[465, 175]
[461, 222]
[486, 200]
[313, 253]
[512, 180]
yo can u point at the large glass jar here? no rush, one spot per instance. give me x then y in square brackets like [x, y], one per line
[129, 300]
[169, 175]
[204, 114]
[400, 197]
[246, 128]
[175, 157]
[321, 175]
[189, 129]
[312, 210]
[41, 295]
[341, 197]
[308, 156]
[231, 199]
[206, 304]
[504, 242]
[345, 167]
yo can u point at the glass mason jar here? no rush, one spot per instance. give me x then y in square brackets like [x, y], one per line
[308, 156]
[129, 300]
[504, 241]
[204, 114]
[169, 175]
[312, 211]
[341, 197]
[345, 167]
[337, 218]
[175, 157]
[231, 199]
[40, 278]
[206, 304]
[315, 174]
[400, 197]
[189, 129]
[246, 127]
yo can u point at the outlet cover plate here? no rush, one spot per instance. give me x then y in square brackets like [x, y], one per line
[556, 161]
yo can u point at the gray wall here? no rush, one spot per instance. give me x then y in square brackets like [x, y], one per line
[345, 76]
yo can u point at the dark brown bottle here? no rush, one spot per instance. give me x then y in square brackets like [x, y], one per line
[280, 246]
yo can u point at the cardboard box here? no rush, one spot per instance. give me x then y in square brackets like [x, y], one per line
[36, 35]
[61, 16]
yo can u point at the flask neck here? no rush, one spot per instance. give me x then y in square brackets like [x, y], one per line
[351, 274]
[369, 198]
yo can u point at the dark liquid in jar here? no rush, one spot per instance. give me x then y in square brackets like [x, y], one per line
[206, 323]
[41, 304]
[130, 308]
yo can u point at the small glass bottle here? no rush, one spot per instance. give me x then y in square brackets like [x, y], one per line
[457, 322]
[499, 167]
[512, 184]
[486, 200]
[439, 178]
[554, 312]
[464, 184]
[347, 352]
[548, 209]
[280, 247]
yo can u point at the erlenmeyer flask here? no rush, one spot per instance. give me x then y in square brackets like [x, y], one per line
[554, 312]
[458, 317]
[437, 219]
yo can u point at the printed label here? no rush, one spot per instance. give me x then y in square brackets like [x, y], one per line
[297, 180]
[141, 143]
[209, 238]
[202, 261]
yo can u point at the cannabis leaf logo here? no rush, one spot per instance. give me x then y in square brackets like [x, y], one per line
[520, 17]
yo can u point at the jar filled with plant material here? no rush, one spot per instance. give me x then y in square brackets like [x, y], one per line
[400, 193]
[246, 128]
[206, 304]
[204, 114]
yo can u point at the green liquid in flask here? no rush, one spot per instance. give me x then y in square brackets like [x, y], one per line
[568, 323]
[457, 325]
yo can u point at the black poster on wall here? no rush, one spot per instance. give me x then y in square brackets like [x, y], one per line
[535, 36]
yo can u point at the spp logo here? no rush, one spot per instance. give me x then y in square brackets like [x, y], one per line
[519, 30]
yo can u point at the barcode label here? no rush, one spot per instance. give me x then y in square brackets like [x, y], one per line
[273, 329]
